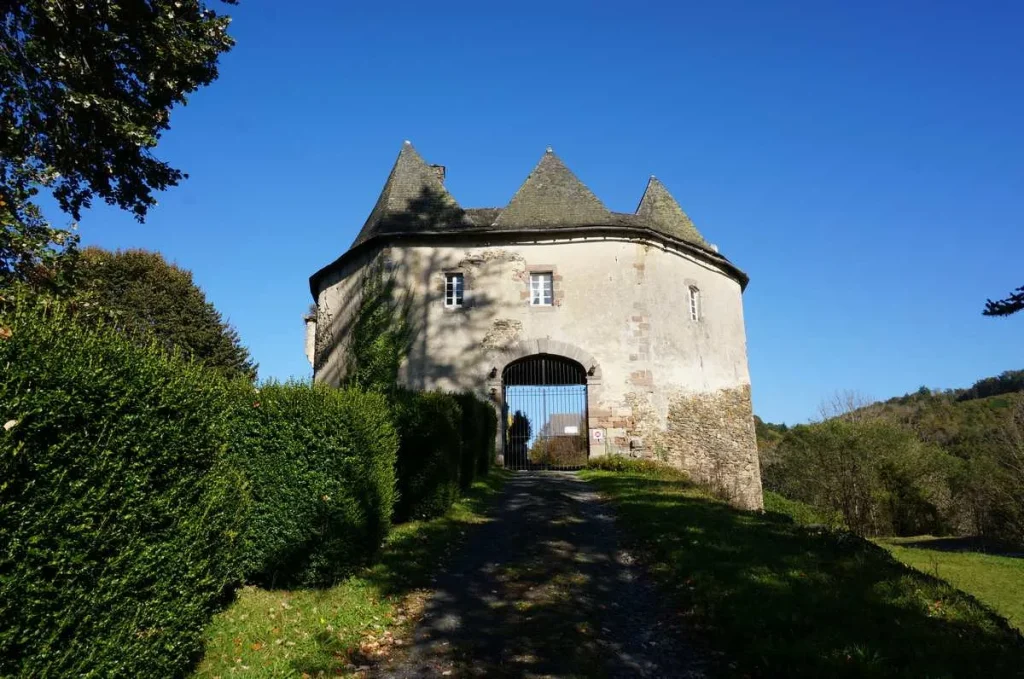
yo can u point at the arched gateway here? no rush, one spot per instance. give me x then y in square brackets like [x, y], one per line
[501, 301]
[544, 413]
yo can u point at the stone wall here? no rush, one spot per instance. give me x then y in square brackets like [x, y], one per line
[660, 385]
[711, 436]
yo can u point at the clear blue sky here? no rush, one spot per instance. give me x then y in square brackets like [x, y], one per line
[863, 162]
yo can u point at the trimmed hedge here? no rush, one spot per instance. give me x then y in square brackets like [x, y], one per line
[320, 464]
[429, 453]
[446, 443]
[479, 428]
[137, 488]
[118, 514]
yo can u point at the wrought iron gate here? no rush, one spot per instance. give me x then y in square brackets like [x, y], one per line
[545, 413]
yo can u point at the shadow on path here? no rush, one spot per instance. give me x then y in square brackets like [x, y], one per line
[543, 589]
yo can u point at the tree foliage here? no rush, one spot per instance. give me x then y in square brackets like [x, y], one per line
[1006, 382]
[86, 90]
[520, 430]
[119, 512]
[941, 461]
[879, 476]
[1011, 304]
[144, 295]
[559, 451]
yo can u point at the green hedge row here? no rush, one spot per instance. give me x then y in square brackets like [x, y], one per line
[479, 432]
[446, 442]
[429, 453]
[320, 470]
[119, 514]
[138, 488]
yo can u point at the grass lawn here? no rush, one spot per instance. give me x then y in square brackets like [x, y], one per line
[309, 632]
[770, 598]
[997, 581]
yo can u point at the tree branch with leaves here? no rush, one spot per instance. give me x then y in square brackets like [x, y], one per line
[86, 90]
[1013, 303]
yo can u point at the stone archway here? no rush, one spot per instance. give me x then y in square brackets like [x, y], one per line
[522, 350]
[545, 413]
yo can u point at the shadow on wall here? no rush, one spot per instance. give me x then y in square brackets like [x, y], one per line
[392, 321]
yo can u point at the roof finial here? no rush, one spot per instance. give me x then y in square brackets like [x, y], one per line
[407, 142]
[549, 150]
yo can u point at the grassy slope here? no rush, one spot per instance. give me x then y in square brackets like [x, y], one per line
[292, 633]
[774, 599]
[998, 581]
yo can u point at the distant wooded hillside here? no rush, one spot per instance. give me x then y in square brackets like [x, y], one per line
[933, 461]
[1008, 382]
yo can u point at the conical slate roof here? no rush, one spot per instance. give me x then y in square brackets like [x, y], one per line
[552, 196]
[415, 203]
[662, 212]
[413, 199]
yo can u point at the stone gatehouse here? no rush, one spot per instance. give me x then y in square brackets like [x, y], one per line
[648, 313]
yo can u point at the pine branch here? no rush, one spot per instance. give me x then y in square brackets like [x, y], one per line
[1004, 307]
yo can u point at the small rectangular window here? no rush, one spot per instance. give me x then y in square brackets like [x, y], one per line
[694, 304]
[540, 289]
[454, 285]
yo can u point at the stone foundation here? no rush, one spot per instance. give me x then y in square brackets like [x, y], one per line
[711, 437]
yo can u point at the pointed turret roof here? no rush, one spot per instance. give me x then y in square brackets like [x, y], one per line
[413, 198]
[662, 212]
[552, 201]
[552, 196]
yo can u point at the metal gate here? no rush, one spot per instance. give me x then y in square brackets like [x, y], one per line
[545, 413]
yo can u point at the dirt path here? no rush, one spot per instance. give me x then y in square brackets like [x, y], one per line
[544, 590]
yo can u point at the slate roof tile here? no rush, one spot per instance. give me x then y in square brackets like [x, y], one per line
[413, 199]
[552, 196]
[662, 212]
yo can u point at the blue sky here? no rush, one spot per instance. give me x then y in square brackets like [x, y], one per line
[863, 162]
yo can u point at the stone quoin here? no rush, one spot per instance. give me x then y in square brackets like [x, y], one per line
[650, 310]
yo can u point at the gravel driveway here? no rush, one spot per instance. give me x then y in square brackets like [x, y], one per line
[544, 590]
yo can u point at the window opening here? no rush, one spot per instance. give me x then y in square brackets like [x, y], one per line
[454, 285]
[540, 289]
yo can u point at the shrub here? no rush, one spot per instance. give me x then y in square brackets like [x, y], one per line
[801, 513]
[479, 427]
[633, 465]
[560, 451]
[320, 464]
[117, 512]
[879, 476]
[485, 456]
[429, 453]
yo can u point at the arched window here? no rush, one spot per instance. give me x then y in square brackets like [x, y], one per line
[695, 309]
